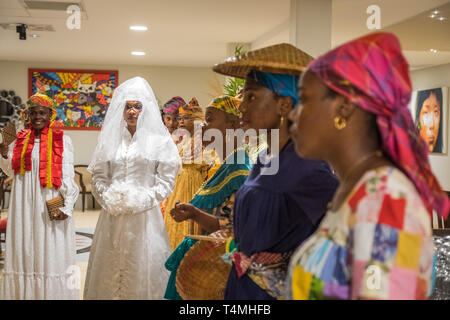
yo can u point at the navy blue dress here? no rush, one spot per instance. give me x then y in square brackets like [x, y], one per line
[276, 213]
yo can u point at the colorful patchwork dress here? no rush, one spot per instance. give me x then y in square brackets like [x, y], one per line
[378, 245]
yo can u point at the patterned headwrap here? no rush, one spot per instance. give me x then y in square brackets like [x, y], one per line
[193, 109]
[227, 104]
[373, 74]
[51, 146]
[40, 99]
[172, 106]
[285, 85]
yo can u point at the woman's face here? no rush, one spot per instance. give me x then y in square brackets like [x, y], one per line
[170, 121]
[216, 119]
[313, 119]
[186, 121]
[429, 120]
[258, 107]
[131, 112]
[39, 117]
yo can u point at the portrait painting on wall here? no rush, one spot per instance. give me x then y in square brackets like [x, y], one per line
[82, 96]
[429, 108]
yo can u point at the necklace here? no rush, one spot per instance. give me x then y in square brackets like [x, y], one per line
[377, 153]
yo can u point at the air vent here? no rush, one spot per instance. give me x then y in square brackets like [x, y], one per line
[46, 5]
[31, 27]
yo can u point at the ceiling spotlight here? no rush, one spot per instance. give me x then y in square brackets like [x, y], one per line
[433, 50]
[34, 36]
[138, 28]
[441, 18]
[432, 16]
[435, 11]
[138, 53]
[21, 29]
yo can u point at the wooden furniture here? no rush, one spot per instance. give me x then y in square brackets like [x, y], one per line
[83, 178]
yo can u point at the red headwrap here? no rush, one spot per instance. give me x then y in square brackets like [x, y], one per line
[372, 73]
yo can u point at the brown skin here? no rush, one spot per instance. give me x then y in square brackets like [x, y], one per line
[316, 137]
[170, 121]
[131, 114]
[430, 129]
[214, 119]
[39, 117]
[262, 109]
[186, 122]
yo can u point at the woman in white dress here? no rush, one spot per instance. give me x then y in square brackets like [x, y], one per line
[40, 249]
[134, 168]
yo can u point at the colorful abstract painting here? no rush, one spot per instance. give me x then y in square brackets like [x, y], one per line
[83, 96]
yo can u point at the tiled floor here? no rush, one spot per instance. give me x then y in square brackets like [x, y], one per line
[84, 222]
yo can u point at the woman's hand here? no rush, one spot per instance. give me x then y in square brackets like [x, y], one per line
[4, 150]
[59, 216]
[183, 211]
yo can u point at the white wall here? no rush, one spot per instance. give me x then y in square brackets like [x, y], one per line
[429, 78]
[166, 82]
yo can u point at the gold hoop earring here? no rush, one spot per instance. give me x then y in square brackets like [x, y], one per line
[282, 121]
[340, 123]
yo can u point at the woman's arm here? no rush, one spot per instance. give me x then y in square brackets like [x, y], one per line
[221, 219]
[185, 211]
[6, 159]
[69, 189]
[164, 183]
[100, 182]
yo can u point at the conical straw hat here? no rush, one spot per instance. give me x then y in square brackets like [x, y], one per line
[280, 58]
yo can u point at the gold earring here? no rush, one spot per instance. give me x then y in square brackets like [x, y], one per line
[340, 123]
[282, 121]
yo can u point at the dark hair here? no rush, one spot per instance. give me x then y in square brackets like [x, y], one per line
[421, 97]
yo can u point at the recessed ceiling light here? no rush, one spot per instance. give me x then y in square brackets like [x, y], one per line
[442, 18]
[432, 16]
[34, 35]
[433, 50]
[138, 53]
[435, 11]
[138, 28]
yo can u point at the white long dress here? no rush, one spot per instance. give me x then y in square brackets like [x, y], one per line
[40, 253]
[129, 249]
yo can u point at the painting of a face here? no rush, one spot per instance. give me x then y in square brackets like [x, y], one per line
[429, 120]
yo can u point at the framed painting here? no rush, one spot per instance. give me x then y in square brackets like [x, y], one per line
[430, 112]
[82, 96]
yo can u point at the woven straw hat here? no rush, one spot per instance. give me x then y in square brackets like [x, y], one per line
[280, 58]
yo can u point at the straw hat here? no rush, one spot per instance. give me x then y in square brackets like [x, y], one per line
[280, 58]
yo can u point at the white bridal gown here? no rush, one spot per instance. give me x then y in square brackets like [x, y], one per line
[130, 244]
[40, 253]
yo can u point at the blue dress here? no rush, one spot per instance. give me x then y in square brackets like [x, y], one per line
[276, 213]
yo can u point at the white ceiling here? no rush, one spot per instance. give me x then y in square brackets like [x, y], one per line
[198, 32]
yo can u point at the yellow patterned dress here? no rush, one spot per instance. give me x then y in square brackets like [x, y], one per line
[190, 179]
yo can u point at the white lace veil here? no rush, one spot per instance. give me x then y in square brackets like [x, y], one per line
[152, 137]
